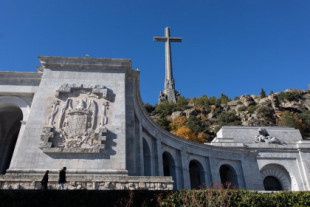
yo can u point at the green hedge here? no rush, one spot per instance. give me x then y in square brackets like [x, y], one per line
[236, 198]
[77, 198]
[151, 198]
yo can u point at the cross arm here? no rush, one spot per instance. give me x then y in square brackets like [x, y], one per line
[171, 39]
[175, 39]
[160, 39]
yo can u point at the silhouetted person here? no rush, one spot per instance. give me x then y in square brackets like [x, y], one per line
[44, 180]
[62, 178]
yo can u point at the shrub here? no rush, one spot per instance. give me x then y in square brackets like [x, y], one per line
[163, 122]
[242, 108]
[182, 103]
[91, 198]
[304, 126]
[287, 119]
[165, 108]
[194, 124]
[203, 137]
[217, 111]
[199, 198]
[298, 121]
[177, 123]
[305, 117]
[211, 197]
[289, 96]
[242, 198]
[229, 119]
[185, 133]
[149, 108]
[251, 109]
[266, 113]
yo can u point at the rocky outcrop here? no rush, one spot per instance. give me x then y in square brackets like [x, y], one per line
[253, 111]
[176, 114]
[247, 100]
[274, 102]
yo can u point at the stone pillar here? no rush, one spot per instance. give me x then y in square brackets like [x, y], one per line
[305, 167]
[208, 173]
[215, 174]
[140, 147]
[185, 170]
[159, 160]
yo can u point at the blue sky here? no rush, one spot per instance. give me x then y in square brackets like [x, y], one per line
[229, 46]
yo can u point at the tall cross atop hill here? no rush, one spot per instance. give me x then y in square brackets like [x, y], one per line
[169, 93]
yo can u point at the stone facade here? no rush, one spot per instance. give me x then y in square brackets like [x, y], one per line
[87, 114]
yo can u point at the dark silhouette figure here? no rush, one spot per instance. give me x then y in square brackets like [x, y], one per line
[62, 178]
[44, 180]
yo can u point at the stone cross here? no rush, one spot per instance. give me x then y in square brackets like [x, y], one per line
[169, 81]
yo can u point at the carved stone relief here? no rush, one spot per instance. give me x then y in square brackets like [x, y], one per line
[77, 120]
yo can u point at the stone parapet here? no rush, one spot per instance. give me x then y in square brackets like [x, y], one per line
[32, 182]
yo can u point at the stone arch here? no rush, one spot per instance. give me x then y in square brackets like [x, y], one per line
[15, 101]
[10, 123]
[169, 168]
[228, 177]
[196, 174]
[147, 161]
[275, 177]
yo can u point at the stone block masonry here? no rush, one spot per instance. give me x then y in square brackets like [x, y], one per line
[89, 182]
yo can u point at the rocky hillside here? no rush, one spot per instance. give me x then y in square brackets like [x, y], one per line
[199, 119]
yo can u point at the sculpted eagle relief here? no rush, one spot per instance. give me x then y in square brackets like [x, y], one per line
[77, 118]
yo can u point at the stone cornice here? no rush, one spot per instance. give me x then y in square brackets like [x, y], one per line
[75, 63]
[20, 78]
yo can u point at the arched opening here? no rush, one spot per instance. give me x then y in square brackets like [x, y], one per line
[275, 178]
[147, 159]
[196, 174]
[228, 177]
[10, 122]
[272, 183]
[169, 167]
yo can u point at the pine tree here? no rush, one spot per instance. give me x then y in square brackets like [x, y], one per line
[262, 93]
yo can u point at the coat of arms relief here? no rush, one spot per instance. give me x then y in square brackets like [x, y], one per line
[77, 120]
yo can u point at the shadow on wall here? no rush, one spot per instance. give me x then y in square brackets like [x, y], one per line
[10, 123]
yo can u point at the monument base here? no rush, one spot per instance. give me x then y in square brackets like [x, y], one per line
[87, 182]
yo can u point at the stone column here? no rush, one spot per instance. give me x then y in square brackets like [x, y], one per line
[186, 177]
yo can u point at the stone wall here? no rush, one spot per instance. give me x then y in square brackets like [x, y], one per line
[86, 182]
